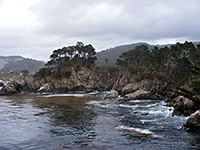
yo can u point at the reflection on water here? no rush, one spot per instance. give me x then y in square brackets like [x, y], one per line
[87, 121]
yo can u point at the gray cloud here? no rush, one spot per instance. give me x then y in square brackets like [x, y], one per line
[103, 23]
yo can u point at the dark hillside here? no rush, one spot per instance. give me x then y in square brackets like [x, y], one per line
[108, 57]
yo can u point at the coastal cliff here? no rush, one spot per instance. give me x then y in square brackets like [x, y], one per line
[83, 80]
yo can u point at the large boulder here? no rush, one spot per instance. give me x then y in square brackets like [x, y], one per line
[193, 122]
[111, 94]
[139, 94]
[184, 106]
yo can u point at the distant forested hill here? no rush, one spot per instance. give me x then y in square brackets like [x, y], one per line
[108, 57]
[16, 64]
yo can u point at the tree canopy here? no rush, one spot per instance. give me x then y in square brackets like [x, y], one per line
[79, 52]
[63, 59]
[175, 62]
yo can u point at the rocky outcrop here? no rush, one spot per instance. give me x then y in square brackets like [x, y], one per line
[45, 88]
[193, 122]
[8, 89]
[184, 106]
[145, 89]
[111, 94]
[139, 94]
[132, 87]
[122, 81]
[20, 85]
[84, 79]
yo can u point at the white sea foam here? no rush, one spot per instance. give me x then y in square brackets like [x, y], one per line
[93, 102]
[139, 101]
[93, 93]
[143, 121]
[137, 131]
[58, 95]
[127, 106]
[136, 106]
[98, 103]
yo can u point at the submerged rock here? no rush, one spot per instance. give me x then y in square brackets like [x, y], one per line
[111, 94]
[193, 122]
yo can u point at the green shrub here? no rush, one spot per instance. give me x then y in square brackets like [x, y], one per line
[67, 74]
[113, 69]
[43, 73]
[56, 74]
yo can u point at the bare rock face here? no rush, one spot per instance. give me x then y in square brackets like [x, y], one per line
[21, 84]
[45, 88]
[193, 122]
[122, 81]
[156, 88]
[8, 89]
[131, 87]
[139, 94]
[184, 106]
[111, 94]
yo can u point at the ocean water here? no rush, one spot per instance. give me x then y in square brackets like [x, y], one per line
[87, 121]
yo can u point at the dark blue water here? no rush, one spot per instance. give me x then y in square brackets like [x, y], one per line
[87, 121]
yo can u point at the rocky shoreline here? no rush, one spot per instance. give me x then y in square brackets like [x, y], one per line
[87, 80]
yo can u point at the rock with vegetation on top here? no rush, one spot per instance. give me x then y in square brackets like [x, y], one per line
[139, 94]
[111, 94]
[193, 122]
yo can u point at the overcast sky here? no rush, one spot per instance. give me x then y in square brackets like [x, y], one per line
[34, 28]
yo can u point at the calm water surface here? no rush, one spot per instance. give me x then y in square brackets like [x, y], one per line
[87, 121]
